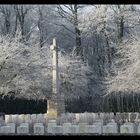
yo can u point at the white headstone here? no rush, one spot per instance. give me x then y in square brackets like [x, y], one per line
[90, 129]
[111, 115]
[97, 115]
[74, 129]
[90, 118]
[82, 118]
[8, 119]
[64, 118]
[33, 118]
[77, 117]
[82, 127]
[45, 115]
[38, 128]
[57, 130]
[5, 130]
[22, 130]
[94, 116]
[66, 128]
[110, 128]
[1, 119]
[96, 128]
[138, 129]
[51, 124]
[27, 118]
[127, 128]
[14, 118]
[40, 118]
[13, 127]
[70, 117]
[102, 115]
[21, 118]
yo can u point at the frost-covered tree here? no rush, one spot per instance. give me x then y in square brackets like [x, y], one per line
[125, 71]
[6, 12]
[22, 20]
[71, 14]
[26, 71]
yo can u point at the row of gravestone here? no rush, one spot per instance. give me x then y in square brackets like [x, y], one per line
[98, 127]
[72, 117]
[23, 128]
[90, 117]
[28, 118]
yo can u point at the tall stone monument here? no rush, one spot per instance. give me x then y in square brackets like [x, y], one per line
[56, 102]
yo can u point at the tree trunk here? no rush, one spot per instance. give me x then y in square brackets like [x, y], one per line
[79, 50]
[120, 25]
[7, 25]
[15, 29]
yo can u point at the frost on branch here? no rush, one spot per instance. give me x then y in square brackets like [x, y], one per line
[126, 68]
[25, 71]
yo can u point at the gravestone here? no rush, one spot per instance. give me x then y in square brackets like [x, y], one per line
[89, 118]
[138, 129]
[118, 117]
[8, 119]
[106, 117]
[40, 118]
[110, 128]
[39, 128]
[77, 117]
[45, 115]
[13, 127]
[74, 129]
[51, 124]
[127, 128]
[111, 114]
[133, 116]
[64, 118]
[33, 118]
[14, 118]
[82, 118]
[94, 116]
[90, 129]
[57, 130]
[23, 128]
[96, 128]
[27, 118]
[5, 129]
[2, 117]
[82, 127]
[101, 115]
[137, 119]
[66, 128]
[21, 118]
[69, 117]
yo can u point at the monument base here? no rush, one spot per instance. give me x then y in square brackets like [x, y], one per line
[52, 111]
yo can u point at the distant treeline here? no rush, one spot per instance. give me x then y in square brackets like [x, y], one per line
[111, 103]
[11, 105]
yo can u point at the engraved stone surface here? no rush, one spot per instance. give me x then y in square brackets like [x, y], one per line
[38, 128]
[110, 128]
[66, 128]
[127, 128]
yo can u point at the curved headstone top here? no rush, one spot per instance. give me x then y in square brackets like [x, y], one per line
[52, 121]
